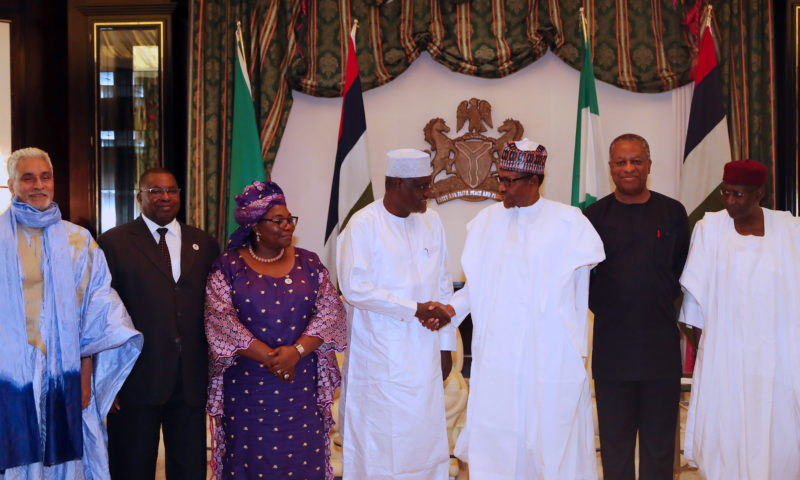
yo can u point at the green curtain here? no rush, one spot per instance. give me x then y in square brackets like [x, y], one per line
[268, 29]
[746, 52]
[639, 45]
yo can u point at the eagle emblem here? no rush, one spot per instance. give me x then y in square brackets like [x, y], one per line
[467, 165]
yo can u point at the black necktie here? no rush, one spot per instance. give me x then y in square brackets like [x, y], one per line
[162, 246]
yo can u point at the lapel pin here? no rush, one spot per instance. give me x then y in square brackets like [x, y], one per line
[195, 247]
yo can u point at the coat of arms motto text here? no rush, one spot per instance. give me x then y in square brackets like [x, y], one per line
[470, 161]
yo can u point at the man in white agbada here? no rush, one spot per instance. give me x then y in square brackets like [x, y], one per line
[391, 262]
[740, 287]
[527, 262]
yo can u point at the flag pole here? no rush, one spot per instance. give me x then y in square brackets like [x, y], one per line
[584, 26]
[351, 187]
[246, 157]
[589, 174]
[240, 44]
[706, 20]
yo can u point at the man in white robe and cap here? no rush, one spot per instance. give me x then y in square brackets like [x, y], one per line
[67, 341]
[740, 288]
[527, 262]
[391, 263]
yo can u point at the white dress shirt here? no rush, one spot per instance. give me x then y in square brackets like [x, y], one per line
[173, 238]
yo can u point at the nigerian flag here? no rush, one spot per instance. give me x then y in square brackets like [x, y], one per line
[247, 164]
[589, 173]
[351, 187]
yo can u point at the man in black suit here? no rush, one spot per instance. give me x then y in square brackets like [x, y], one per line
[159, 267]
[636, 359]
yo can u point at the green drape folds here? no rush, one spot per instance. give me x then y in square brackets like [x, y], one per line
[268, 28]
[638, 48]
[639, 45]
[746, 53]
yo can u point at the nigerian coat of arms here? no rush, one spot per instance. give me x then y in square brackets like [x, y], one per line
[469, 162]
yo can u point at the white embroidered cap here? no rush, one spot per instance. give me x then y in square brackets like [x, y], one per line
[526, 144]
[408, 163]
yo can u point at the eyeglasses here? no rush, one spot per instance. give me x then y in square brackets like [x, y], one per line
[508, 181]
[161, 191]
[733, 193]
[280, 221]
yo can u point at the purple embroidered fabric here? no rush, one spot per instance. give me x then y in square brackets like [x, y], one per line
[260, 424]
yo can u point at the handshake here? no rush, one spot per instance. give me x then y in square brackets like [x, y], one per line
[434, 315]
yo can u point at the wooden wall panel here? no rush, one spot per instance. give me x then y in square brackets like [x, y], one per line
[38, 83]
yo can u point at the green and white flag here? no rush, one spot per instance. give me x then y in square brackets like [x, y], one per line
[589, 172]
[247, 163]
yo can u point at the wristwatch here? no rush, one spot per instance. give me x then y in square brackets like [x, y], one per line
[300, 349]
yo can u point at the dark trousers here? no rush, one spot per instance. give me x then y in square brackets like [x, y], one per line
[647, 407]
[133, 435]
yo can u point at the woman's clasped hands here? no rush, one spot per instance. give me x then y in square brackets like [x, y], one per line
[281, 362]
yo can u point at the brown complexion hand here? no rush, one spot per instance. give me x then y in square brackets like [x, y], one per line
[285, 358]
[283, 361]
[432, 315]
[114, 406]
[258, 351]
[87, 368]
[449, 310]
[447, 364]
[698, 332]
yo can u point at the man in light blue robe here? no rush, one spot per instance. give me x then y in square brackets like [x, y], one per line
[67, 342]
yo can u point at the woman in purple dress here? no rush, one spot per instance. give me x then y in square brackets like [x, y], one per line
[274, 322]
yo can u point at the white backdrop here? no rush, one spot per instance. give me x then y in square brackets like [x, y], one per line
[542, 96]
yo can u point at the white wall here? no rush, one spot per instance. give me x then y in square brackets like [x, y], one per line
[543, 97]
[5, 109]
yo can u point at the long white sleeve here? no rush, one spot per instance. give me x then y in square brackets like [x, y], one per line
[353, 265]
[582, 308]
[691, 311]
[448, 338]
[461, 303]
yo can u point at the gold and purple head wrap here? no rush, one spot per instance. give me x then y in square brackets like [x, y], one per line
[256, 200]
[523, 156]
